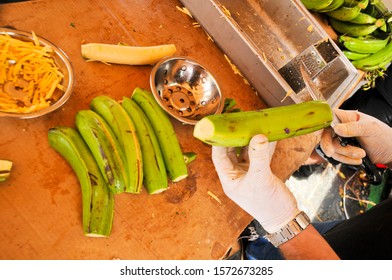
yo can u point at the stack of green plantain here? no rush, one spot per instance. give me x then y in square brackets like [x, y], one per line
[116, 148]
[364, 31]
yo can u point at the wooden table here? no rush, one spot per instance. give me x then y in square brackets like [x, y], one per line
[40, 204]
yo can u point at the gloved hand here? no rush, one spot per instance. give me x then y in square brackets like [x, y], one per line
[373, 135]
[248, 180]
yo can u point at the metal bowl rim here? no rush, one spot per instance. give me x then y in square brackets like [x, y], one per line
[69, 69]
[159, 100]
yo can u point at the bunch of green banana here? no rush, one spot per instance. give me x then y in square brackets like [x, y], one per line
[371, 55]
[350, 17]
[377, 60]
[327, 6]
[97, 199]
[364, 30]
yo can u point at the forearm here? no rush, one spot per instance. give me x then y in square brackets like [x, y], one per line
[308, 245]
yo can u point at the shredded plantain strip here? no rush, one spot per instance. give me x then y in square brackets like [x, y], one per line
[29, 75]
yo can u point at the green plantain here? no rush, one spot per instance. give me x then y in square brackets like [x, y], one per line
[354, 55]
[360, 3]
[336, 4]
[355, 30]
[382, 65]
[363, 18]
[380, 58]
[345, 13]
[155, 177]
[236, 129]
[316, 5]
[164, 130]
[124, 130]
[105, 149]
[97, 199]
[363, 45]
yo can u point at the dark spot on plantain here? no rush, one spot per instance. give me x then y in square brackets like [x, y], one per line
[93, 179]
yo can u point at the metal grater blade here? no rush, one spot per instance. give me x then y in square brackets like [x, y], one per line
[315, 58]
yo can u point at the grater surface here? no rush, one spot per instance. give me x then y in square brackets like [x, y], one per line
[315, 58]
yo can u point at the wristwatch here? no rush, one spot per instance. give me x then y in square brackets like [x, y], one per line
[291, 229]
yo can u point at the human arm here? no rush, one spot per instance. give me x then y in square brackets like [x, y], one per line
[373, 135]
[248, 180]
[308, 245]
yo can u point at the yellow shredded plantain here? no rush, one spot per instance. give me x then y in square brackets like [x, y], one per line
[29, 76]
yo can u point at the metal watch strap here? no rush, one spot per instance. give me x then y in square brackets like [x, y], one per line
[295, 226]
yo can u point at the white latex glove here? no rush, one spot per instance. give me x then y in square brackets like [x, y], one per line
[373, 135]
[249, 182]
[330, 144]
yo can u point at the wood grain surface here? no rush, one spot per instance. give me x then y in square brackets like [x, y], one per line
[40, 204]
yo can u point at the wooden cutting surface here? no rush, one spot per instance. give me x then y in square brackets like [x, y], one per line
[40, 204]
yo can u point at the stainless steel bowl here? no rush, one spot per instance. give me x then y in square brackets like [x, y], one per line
[62, 62]
[185, 89]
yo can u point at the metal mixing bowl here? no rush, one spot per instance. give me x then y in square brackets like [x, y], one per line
[185, 89]
[62, 62]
